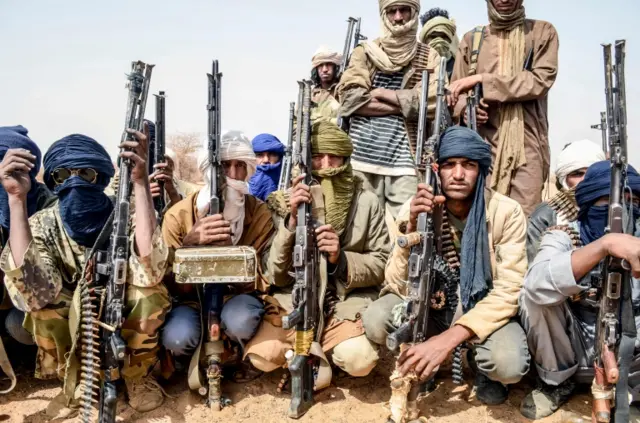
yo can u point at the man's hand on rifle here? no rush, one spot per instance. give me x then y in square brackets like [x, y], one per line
[210, 230]
[14, 171]
[482, 114]
[626, 247]
[462, 86]
[328, 242]
[164, 173]
[136, 152]
[423, 202]
[300, 194]
[425, 358]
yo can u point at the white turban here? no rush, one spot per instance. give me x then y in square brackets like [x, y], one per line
[575, 156]
[234, 145]
[325, 55]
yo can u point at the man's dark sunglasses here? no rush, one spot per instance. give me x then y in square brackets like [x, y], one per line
[60, 175]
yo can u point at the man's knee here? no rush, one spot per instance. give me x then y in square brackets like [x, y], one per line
[241, 317]
[181, 334]
[13, 324]
[504, 357]
[377, 318]
[356, 356]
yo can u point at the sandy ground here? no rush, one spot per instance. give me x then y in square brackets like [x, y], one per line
[348, 400]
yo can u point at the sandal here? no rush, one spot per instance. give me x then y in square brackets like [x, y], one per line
[244, 373]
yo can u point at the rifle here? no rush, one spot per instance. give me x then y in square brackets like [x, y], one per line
[602, 127]
[110, 277]
[424, 264]
[214, 266]
[285, 174]
[615, 326]
[306, 314]
[159, 151]
[353, 38]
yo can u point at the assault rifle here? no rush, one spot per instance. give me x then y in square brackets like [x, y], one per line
[616, 330]
[214, 266]
[424, 264]
[353, 38]
[159, 151]
[285, 173]
[306, 314]
[110, 277]
[602, 127]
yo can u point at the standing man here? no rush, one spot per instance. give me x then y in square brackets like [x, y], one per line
[516, 66]
[488, 235]
[558, 307]
[46, 255]
[562, 209]
[439, 33]
[269, 151]
[380, 92]
[324, 75]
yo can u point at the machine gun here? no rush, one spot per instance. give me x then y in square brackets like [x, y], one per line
[306, 316]
[109, 281]
[159, 151]
[602, 127]
[424, 263]
[214, 266]
[353, 38]
[285, 174]
[615, 330]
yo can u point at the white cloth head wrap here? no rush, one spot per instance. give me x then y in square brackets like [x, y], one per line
[234, 145]
[325, 55]
[577, 155]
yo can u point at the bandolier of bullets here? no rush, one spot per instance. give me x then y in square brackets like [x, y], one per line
[91, 296]
[564, 204]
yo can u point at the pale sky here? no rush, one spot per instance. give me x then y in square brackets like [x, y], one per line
[63, 63]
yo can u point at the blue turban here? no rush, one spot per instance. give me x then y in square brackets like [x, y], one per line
[597, 184]
[84, 207]
[152, 130]
[16, 137]
[475, 270]
[266, 178]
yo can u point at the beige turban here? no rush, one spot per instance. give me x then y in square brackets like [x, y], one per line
[325, 55]
[446, 47]
[398, 44]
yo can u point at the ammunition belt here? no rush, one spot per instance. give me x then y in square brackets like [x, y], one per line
[448, 269]
[564, 204]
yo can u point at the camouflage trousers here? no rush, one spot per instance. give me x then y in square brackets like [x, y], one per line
[145, 311]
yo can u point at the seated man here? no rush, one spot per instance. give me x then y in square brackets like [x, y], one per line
[16, 147]
[488, 232]
[562, 209]
[46, 255]
[557, 313]
[245, 221]
[269, 151]
[356, 243]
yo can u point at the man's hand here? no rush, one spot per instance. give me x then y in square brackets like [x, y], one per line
[425, 358]
[136, 152]
[423, 202]
[164, 173]
[300, 194]
[482, 115]
[14, 172]
[210, 230]
[626, 247]
[461, 86]
[385, 95]
[328, 242]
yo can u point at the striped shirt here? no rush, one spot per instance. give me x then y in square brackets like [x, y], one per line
[381, 144]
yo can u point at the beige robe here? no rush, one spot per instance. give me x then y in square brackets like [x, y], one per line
[531, 88]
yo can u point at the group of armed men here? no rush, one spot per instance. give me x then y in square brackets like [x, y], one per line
[525, 266]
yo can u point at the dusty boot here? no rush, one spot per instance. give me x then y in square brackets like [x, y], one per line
[546, 399]
[58, 409]
[144, 394]
[489, 392]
